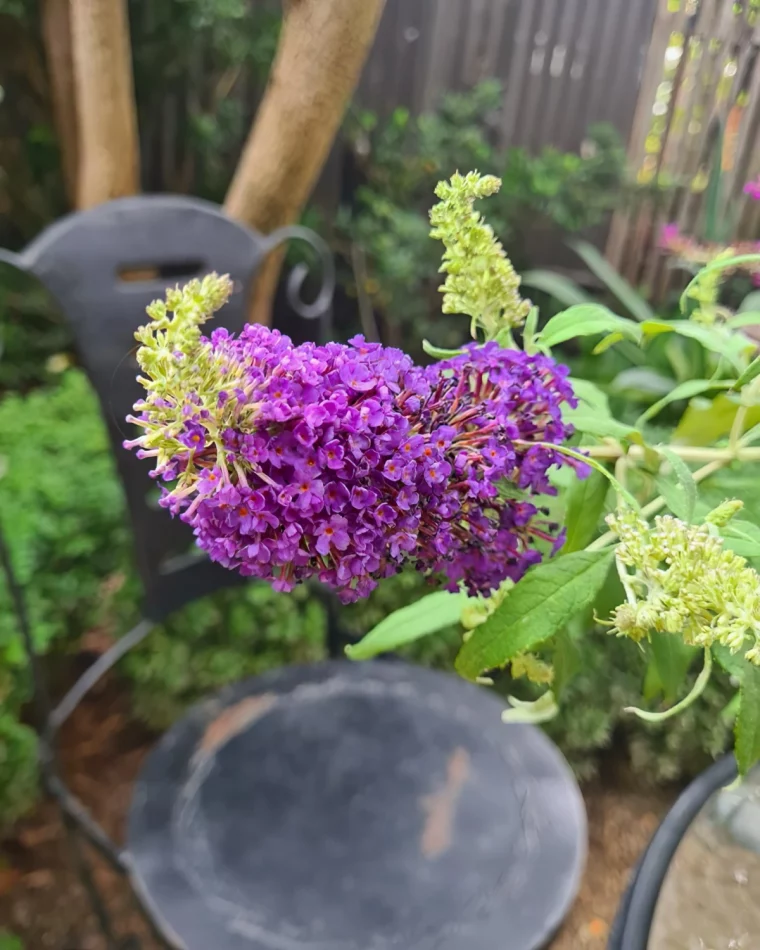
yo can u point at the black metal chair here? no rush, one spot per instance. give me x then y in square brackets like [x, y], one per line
[633, 925]
[325, 807]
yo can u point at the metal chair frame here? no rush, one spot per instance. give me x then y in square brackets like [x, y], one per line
[80, 260]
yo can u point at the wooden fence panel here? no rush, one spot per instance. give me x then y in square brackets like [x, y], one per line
[561, 62]
[703, 72]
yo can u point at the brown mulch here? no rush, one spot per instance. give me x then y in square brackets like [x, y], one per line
[42, 900]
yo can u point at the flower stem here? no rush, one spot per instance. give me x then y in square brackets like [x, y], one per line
[737, 429]
[696, 691]
[689, 453]
[657, 504]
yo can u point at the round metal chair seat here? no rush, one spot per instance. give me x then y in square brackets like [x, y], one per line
[357, 807]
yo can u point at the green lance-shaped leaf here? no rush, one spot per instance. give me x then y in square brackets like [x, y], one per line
[566, 660]
[601, 427]
[590, 395]
[589, 319]
[692, 387]
[750, 373]
[680, 497]
[733, 346]
[633, 302]
[747, 729]
[742, 537]
[566, 291]
[747, 717]
[425, 616]
[529, 331]
[585, 506]
[535, 609]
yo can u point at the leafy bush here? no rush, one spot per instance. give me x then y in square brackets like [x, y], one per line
[34, 340]
[64, 517]
[400, 162]
[9, 942]
[219, 640]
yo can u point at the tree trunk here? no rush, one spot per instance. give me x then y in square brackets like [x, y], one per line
[56, 35]
[322, 49]
[108, 145]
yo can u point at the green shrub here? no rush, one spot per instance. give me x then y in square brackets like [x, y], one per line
[62, 511]
[63, 514]
[401, 161]
[219, 640]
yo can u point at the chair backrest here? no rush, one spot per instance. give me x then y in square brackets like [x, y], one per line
[103, 267]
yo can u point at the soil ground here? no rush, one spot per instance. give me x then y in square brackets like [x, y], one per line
[42, 901]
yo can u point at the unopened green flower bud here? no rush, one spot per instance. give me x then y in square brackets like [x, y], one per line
[721, 515]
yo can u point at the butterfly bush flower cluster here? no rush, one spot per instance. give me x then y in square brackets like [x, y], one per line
[346, 462]
[680, 580]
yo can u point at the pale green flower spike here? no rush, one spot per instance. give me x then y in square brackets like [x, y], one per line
[705, 291]
[165, 336]
[680, 580]
[180, 371]
[480, 279]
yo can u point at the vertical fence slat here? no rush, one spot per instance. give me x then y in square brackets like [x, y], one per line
[580, 71]
[514, 91]
[473, 41]
[498, 37]
[560, 64]
[666, 22]
[536, 72]
[445, 23]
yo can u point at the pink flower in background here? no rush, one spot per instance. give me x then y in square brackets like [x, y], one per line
[669, 234]
[752, 188]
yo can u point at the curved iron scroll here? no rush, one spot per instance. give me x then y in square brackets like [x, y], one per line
[296, 278]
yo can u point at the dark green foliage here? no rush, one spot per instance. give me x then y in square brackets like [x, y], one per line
[62, 510]
[400, 163]
[200, 67]
[219, 640]
[63, 514]
[33, 336]
[18, 767]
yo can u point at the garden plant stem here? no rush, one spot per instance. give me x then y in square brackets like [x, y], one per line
[658, 503]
